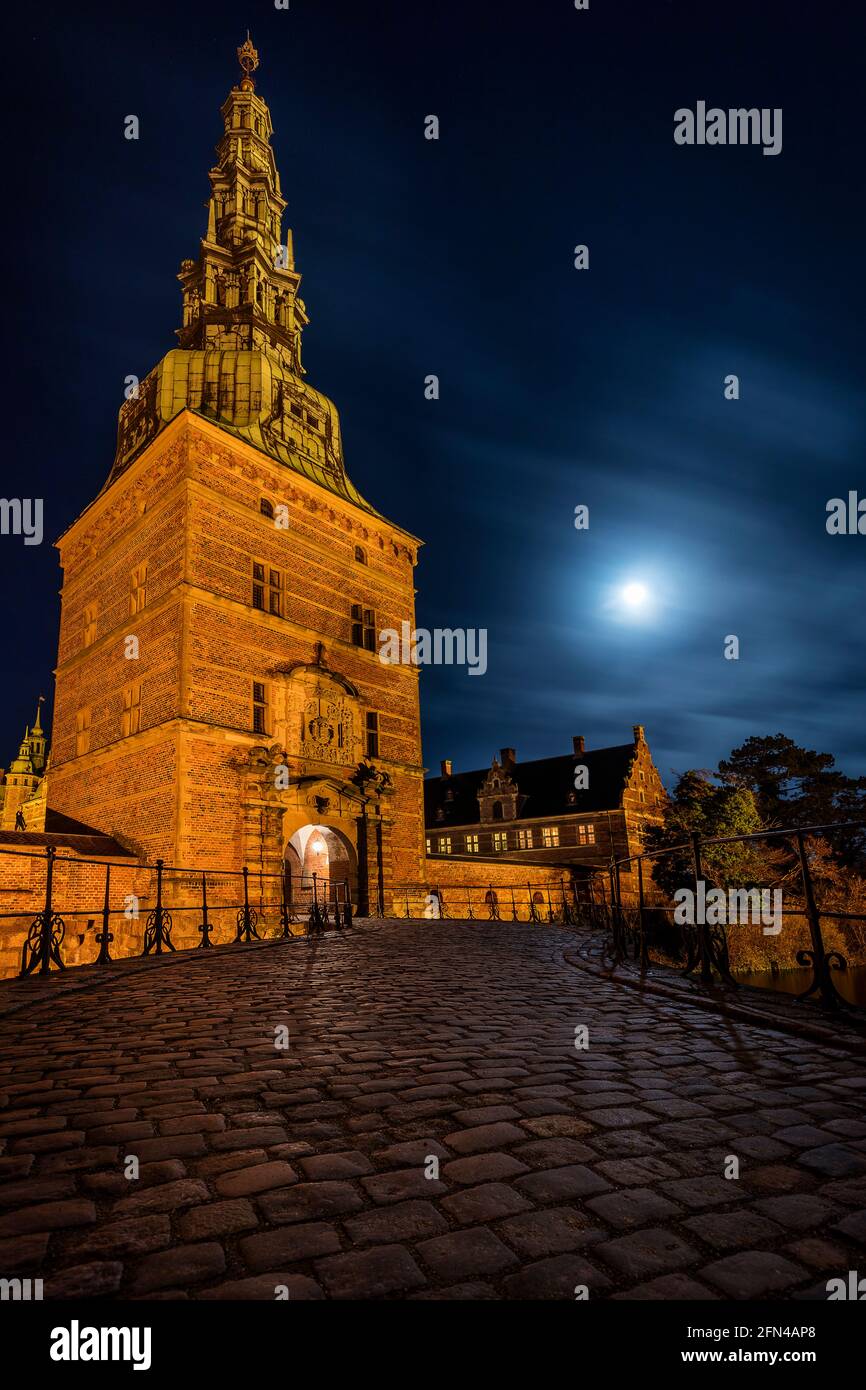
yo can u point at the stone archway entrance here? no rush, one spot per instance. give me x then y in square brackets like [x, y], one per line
[320, 858]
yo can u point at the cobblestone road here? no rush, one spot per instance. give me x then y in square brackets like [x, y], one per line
[306, 1167]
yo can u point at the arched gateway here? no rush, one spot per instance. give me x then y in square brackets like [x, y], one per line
[320, 862]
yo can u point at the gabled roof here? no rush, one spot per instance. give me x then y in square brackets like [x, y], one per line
[543, 785]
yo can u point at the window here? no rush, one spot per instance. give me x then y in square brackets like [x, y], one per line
[524, 839]
[363, 627]
[265, 507]
[642, 797]
[297, 412]
[586, 834]
[138, 588]
[273, 586]
[497, 809]
[429, 845]
[260, 708]
[360, 555]
[312, 421]
[371, 732]
[275, 590]
[500, 839]
[130, 722]
[90, 624]
[471, 844]
[82, 731]
[258, 585]
[444, 844]
[550, 836]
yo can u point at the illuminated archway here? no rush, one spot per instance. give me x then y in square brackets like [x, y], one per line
[320, 856]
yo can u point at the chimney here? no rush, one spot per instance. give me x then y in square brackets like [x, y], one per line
[507, 757]
[578, 742]
[446, 767]
[637, 730]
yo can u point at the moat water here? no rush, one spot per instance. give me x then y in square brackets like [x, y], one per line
[850, 983]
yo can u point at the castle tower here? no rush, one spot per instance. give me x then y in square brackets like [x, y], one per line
[219, 690]
[25, 772]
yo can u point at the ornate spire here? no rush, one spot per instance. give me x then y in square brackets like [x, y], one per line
[242, 291]
[238, 360]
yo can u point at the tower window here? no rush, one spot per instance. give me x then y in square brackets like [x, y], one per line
[82, 731]
[297, 412]
[260, 708]
[266, 508]
[497, 810]
[138, 588]
[267, 588]
[275, 590]
[131, 718]
[372, 734]
[90, 624]
[363, 627]
[258, 585]
[313, 422]
[360, 555]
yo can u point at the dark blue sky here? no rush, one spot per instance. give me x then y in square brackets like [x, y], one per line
[558, 387]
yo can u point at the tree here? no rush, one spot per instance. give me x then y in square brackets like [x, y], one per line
[797, 786]
[700, 806]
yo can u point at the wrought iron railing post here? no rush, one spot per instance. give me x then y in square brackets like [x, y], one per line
[347, 907]
[157, 931]
[284, 907]
[821, 960]
[46, 933]
[316, 923]
[105, 936]
[644, 952]
[703, 932]
[247, 916]
[205, 929]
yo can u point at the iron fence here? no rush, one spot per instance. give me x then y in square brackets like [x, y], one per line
[226, 907]
[641, 924]
[520, 902]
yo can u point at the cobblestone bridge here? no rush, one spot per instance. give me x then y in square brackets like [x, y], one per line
[309, 1166]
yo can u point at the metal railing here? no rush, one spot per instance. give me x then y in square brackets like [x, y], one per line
[477, 902]
[222, 898]
[639, 923]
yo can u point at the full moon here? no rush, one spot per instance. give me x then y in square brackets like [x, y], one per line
[634, 595]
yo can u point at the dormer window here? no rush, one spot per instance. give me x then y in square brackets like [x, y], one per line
[497, 809]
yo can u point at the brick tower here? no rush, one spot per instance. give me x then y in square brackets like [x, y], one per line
[220, 698]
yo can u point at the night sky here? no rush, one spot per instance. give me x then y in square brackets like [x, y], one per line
[455, 257]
